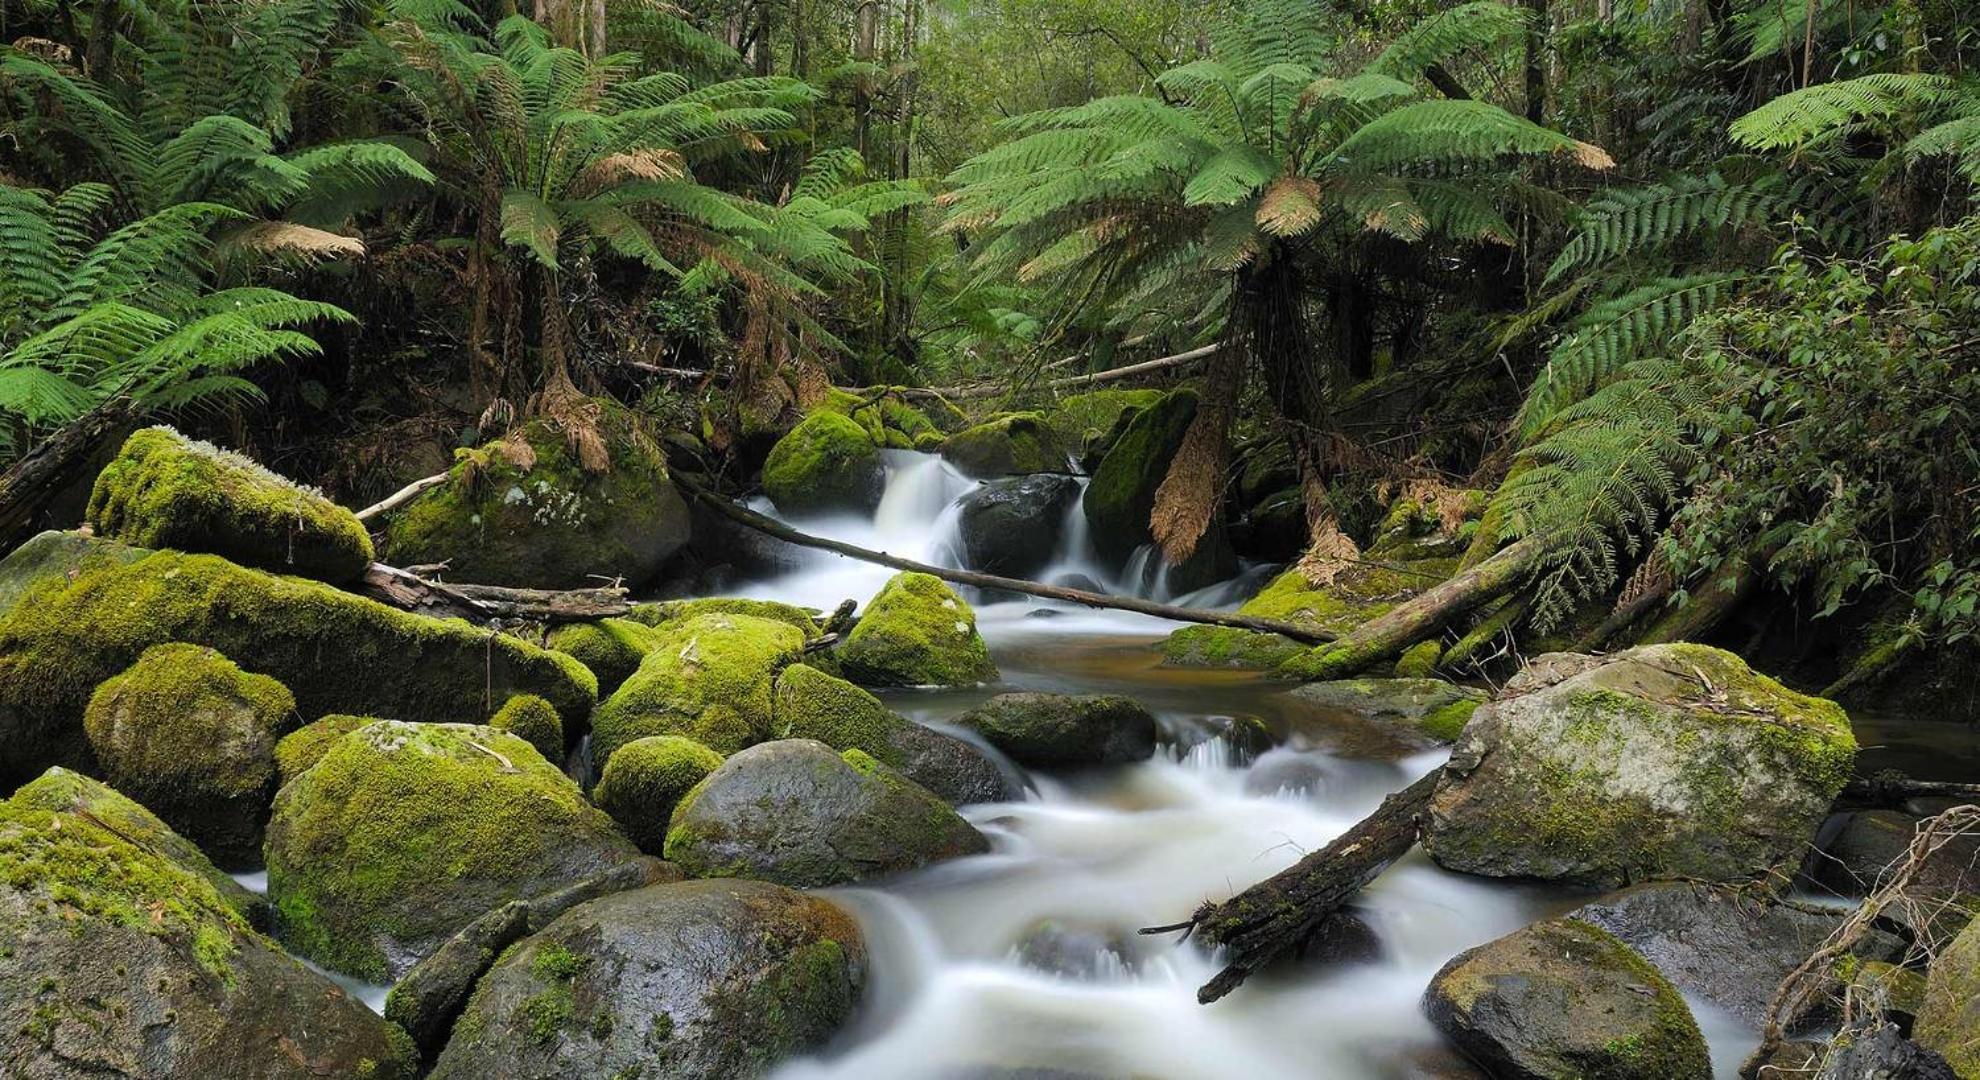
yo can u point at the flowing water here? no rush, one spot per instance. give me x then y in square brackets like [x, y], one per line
[1025, 961]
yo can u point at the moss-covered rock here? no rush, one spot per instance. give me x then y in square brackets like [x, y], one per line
[1065, 731]
[611, 648]
[811, 704]
[57, 557]
[118, 960]
[1419, 661]
[1122, 492]
[916, 632]
[1082, 422]
[524, 511]
[667, 611]
[716, 980]
[799, 813]
[401, 834]
[645, 779]
[1013, 445]
[1227, 647]
[1423, 710]
[306, 745]
[189, 734]
[1359, 593]
[827, 462]
[1949, 1018]
[708, 678]
[337, 653]
[1563, 1000]
[164, 490]
[534, 721]
[1663, 761]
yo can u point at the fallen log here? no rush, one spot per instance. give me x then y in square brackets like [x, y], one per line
[51, 465]
[487, 603]
[779, 530]
[1277, 915]
[1891, 788]
[402, 496]
[984, 390]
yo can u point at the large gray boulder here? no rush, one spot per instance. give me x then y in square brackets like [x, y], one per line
[1012, 527]
[1869, 843]
[1949, 1018]
[1065, 731]
[1660, 762]
[117, 960]
[704, 980]
[1564, 1000]
[799, 813]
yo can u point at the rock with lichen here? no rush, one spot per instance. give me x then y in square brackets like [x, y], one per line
[811, 704]
[119, 959]
[306, 745]
[528, 510]
[337, 653]
[708, 678]
[1017, 444]
[56, 557]
[401, 834]
[828, 462]
[190, 735]
[1564, 1000]
[1660, 762]
[1065, 731]
[1949, 1016]
[717, 980]
[1419, 710]
[799, 813]
[916, 632]
[646, 778]
[164, 490]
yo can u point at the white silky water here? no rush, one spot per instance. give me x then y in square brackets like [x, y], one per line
[1026, 962]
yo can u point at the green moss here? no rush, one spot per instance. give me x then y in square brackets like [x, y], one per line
[611, 648]
[1419, 661]
[1012, 445]
[1121, 494]
[813, 705]
[1227, 647]
[164, 490]
[192, 736]
[525, 511]
[708, 677]
[337, 653]
[406, 831]
[827, 462]
[1082, 420]
[304, 746]
[916, 632]
[52, 558]
[645, 779]
[1949, 1017]
[668, 611]
[1446, 723]
[534, 721]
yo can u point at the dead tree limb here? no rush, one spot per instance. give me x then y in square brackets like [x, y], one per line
[487, 603]
[46, 470]
[402, 496]
[984, 390]
[781, 531]
[1890, 788]
[1276, 916]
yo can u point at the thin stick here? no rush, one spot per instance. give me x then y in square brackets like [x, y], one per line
[402, 496]
[985, 390]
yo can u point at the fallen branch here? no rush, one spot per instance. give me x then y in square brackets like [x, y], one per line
[781, 531]
[487, 603]
[1890, 788]
[402, 496]
[984, 390]
[1276, 916]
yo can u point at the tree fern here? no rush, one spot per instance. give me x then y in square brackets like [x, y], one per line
[1815, 112]
[1624, 222]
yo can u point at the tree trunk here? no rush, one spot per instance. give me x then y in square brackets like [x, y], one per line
[1278, 915]
[1706, 607]
[46, 470]
[865, 40]
[1536, 61]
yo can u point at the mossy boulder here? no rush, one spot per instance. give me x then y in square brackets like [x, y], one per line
[1122, 492]
[1564, 1000]
[534, 721]
[828, 462]
[1012, 527]
[56, 557]
[1659, 762]
[119, 960]
[799, 813]
[164, 490]
[1422, 710]
[887, 417]
[646, 778]
[1227, 647]
[916, 632]
[716, 980]
[401, 834]
[708, 678]
[611, 648]
[666, 611]
[1083, 422]
[524, 511]
[1065, 731]
[306, 745]
[1949, 1018]
[190, 735]
[1015, 445]
[337, 653]
[811, 704]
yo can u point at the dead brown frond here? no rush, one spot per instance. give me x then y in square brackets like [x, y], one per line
[1194, 486]
[1449, 504]
[653, 163]
[1652, 576]
[1291, 206]
[286, 239]
[1329, 553]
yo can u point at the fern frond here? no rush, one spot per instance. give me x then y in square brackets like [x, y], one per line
[1815, 112]
[1642, 218]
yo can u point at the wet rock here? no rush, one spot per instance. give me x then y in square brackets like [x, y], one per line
[1727, 948]
[401, 834]
[1421, 710]
[1122, 492]
[705, 979]
[707, 678]
[525, 511]
[826, 463]
[1949, 1018]
[1075, 951]
[1876, 1050]
[1014, 445]
[1274, 529]
[1013, 527]
[192, 736]
[1344, 938]
[1289, 772]
[1664, 761]
[813, 705]
[1081, 582]
[1065, 731]
[118, 960]
[646, 779]
[164, 490]
[1872, 841]
[1563, 1000]
[916, 632]
[1247, 737]
[56, 557]
[799, 813]
[336, 652]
